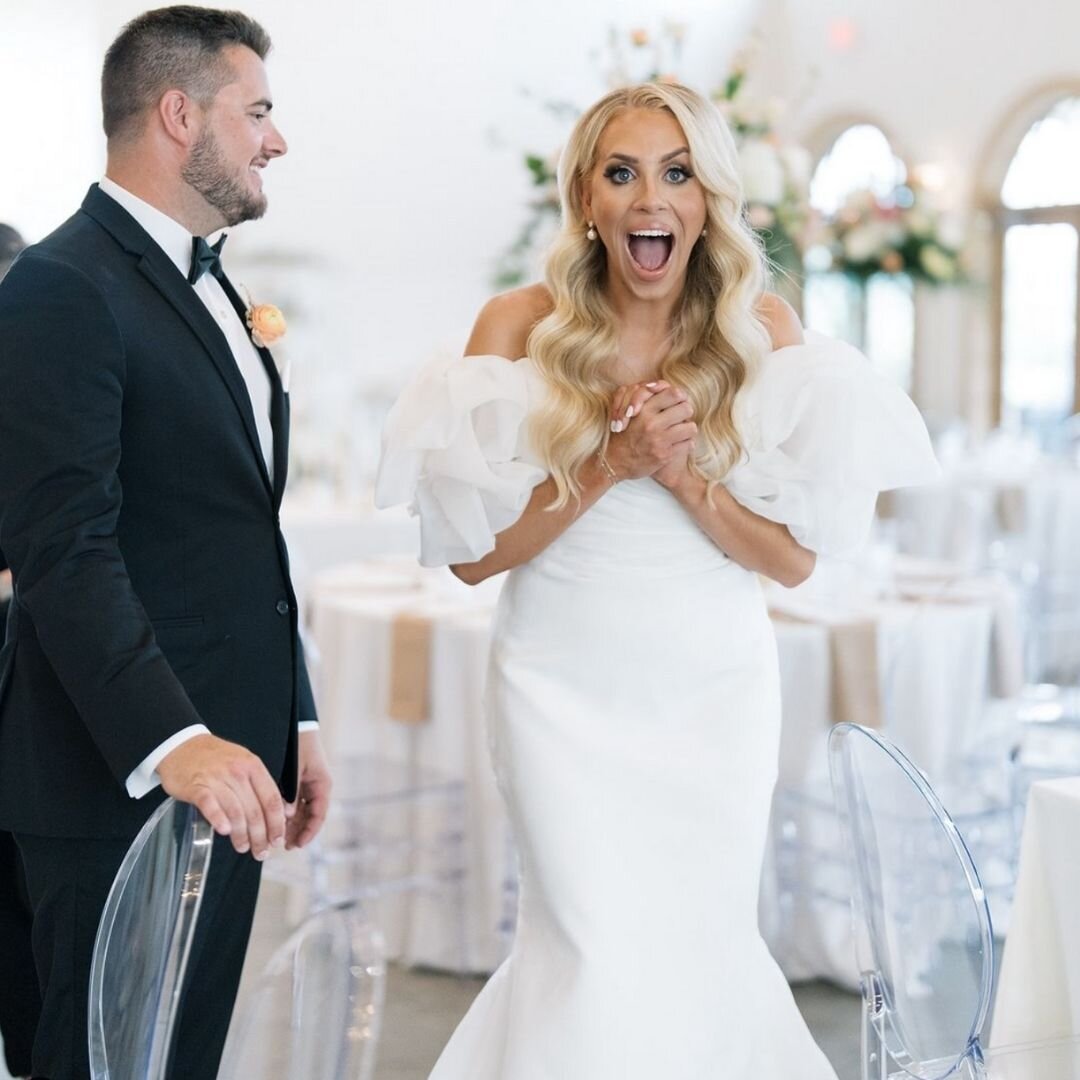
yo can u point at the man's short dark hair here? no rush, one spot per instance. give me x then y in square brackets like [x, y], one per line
[171, 48]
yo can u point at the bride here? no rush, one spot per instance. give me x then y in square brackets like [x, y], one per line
[636, 441]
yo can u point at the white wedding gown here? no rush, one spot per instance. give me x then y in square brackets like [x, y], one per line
[633, 710]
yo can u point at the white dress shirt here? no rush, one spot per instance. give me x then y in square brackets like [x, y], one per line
[176, 242]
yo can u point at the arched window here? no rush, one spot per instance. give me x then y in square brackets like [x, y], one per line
[875, 313]
[1038, 223]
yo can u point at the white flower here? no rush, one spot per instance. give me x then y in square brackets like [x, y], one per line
[919, 223]
[861, 201]
[748, 112]
[761, 171]
[863, 243]
[951, 230]
[893, 233]
[773, 111]
[937, 264]
[798, 164]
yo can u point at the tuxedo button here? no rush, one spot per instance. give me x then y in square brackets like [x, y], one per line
[283, 607]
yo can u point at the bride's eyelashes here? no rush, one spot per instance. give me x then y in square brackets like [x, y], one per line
[619, 174]
[682, 173]
[623, 174]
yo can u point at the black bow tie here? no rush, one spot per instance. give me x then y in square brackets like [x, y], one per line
[205, 257]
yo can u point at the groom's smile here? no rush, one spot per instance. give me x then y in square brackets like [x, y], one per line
[237, 142]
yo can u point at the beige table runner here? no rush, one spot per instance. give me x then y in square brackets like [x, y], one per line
[410, 667]
[1010, 507]
[854, 682]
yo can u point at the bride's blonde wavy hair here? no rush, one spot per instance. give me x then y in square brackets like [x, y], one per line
[716, 333]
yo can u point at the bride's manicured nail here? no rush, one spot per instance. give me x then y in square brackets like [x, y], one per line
[616, 426]
[629, 411]
[649, 385]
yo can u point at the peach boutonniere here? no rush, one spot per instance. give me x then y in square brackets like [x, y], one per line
[266, 323]
[267, 326]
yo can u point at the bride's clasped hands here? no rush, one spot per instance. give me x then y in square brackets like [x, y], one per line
[660, 442]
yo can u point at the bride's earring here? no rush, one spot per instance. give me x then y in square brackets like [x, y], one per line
[591, 234]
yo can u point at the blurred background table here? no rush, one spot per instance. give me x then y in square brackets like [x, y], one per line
[323, 533]
[1038, 994]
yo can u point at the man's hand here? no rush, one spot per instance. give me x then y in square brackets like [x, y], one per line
[231, 788]
[307, 814]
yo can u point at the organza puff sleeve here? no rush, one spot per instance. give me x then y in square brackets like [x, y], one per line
[455, 449]
[822, 434]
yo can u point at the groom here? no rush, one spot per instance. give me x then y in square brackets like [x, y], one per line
[152, 641]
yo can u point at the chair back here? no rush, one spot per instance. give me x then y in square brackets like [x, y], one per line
[142, 945]
[317, 1008]
[923, 933]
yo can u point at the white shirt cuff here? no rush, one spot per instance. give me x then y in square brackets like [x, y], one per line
[307, 725]
[144, 778]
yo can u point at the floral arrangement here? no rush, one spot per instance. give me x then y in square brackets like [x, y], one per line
[775, 174]
[898, 233]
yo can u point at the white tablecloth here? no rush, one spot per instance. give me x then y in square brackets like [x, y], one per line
[1038, 995]
[324, 534]
[933, 666]
[1033, 504]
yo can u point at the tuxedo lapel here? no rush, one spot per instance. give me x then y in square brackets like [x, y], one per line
[162, 273]
[182, 297]
[279, 404]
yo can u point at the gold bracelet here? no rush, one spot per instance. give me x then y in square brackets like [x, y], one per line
[609, 472]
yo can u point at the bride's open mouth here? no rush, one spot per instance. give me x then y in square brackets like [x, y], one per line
[650, 251]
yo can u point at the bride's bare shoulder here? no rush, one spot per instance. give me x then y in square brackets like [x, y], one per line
[781, 320]
[505, 322]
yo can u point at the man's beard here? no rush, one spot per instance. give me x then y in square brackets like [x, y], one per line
[209, 174]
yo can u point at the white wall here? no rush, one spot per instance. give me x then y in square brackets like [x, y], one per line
[51, 144]
[393, 202]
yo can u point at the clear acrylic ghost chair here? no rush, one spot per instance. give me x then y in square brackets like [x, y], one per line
[317, 1008]
[142, 945]
[924, 939]
[811, 870]
[394, 842]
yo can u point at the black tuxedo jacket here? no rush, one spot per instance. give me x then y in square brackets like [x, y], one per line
[152, 583]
